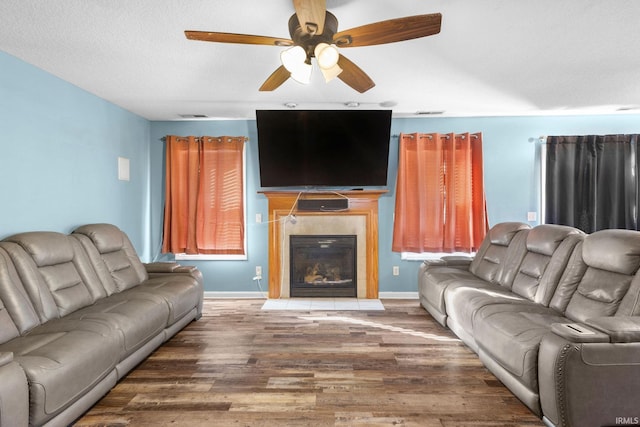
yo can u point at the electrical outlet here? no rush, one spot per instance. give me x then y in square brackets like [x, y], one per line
[532, 216]
[258, 270]
[396, 270]
[258, 218]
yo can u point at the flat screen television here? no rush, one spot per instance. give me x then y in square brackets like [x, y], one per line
[323, 148]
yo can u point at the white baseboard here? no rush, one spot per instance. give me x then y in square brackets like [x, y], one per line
[235, 295]
[398, 295]
[254, 295]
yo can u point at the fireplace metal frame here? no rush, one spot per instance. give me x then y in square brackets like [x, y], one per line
[302, 289]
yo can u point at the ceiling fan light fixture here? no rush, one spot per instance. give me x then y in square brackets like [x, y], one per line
[296, 62]
[293, 57]
[302, 74]
[327, 55]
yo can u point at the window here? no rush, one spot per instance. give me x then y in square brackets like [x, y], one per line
[440, 203]
[205, 198]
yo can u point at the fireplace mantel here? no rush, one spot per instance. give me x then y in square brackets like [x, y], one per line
[363, 203]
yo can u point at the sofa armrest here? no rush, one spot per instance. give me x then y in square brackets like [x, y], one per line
[186, 269]
[455, 261]
[578, 333]
[165, 269]
[169, 267]
[14, 393]
[161, 267]
[587, 383]
[620, 329]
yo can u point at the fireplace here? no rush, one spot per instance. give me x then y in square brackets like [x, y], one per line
[361, 219]
[323, 265]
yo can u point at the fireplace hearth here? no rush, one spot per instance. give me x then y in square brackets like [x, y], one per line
[323, 265]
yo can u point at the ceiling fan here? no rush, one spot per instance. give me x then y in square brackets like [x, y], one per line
[314, 33]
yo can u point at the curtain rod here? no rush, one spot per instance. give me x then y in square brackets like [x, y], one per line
[542, 139]
[246, 138]
[446, 136]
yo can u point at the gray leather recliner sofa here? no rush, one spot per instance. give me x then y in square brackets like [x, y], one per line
[77, 312]
[553, 313]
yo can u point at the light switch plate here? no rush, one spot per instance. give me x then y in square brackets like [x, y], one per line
[123, 169]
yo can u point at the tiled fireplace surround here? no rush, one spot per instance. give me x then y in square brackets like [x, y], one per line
[360, 219]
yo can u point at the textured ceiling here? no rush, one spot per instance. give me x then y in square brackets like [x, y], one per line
[492, 57]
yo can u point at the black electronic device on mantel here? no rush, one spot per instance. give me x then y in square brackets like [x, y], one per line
[323, 148]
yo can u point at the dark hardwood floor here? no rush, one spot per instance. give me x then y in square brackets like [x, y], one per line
[240, 366]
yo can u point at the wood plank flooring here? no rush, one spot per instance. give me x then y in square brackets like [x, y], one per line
[241, 366]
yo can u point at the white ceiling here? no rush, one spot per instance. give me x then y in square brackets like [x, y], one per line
[492, 57]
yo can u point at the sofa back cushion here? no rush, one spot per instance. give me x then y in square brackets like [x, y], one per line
[570, 279]
[8, 328]
[113, 256]
[549, 248]
[497, 247]
[612, 259]
[55, 272]
[17, 314]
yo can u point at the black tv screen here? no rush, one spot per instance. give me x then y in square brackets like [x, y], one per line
[323, 148]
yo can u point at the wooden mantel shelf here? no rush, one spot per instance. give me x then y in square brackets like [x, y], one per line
[324, 194]
[361, 202]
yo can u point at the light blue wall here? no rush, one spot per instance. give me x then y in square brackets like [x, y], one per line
[58, 169]
[228, 276]
[58, 157]
[510, 167]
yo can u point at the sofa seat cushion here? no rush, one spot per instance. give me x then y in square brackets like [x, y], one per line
[435, 281]
[137, 317]
[511, 333]
[63, 360]
[464, 301]
[181, 293]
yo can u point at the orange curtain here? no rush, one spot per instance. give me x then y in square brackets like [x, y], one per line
[204, 195]
[440, 203]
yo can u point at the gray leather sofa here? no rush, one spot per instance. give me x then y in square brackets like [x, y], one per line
[551, 312]
[77, 312]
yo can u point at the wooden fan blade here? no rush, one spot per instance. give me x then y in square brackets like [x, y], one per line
[206, 36]
[354, 76]
[311, 15]
[279, 76]
[393, 30]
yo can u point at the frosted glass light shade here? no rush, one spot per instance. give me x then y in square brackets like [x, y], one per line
[295, 61]
[327, 55]
[331, 73]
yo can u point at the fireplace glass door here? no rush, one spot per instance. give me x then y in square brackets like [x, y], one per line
[322, 266]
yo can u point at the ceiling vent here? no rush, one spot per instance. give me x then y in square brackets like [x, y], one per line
[193, 116]
[429, 113]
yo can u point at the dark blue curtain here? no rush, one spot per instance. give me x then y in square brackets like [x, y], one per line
[592, 181]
